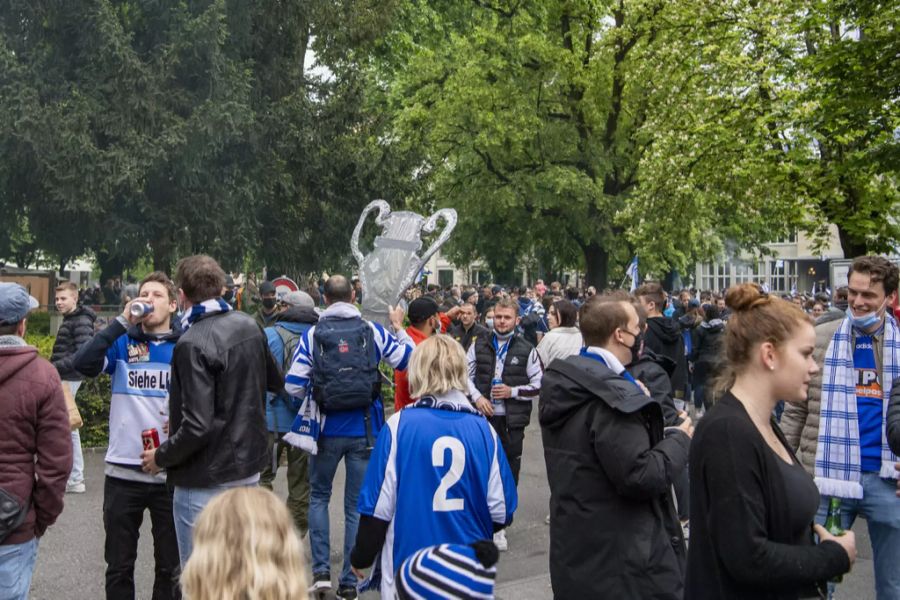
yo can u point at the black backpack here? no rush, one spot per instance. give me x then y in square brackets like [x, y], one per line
[345, 365]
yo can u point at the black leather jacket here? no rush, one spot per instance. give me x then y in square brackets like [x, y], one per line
[893, 419]
[221, 369]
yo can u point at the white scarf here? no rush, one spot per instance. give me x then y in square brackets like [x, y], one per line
[838, 471]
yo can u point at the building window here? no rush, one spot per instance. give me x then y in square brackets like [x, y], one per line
[746, 273]
[722, 279]
[480, 276]
[445, 277]
[782, 275]
[790, 238]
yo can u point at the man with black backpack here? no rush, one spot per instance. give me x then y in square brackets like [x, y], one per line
[283, 337]
[339, 358]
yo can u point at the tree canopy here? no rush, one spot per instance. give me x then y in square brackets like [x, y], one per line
[575, 132]
[162, 129]
[597, 130]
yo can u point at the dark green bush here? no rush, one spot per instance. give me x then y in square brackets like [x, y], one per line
[387, 389]
[39, 323]
[43, 342]
[94, 394]
[92, 399]
[93, 402]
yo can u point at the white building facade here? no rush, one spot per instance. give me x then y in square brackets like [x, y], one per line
[795, 267]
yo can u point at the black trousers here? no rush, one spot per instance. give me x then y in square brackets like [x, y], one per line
[124, 503]
[512, 440]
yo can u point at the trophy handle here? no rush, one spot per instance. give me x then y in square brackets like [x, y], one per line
[384, 210]
[449, 216]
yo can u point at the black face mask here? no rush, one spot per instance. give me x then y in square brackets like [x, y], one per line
[227, 296]
[637, 347]
[268, 303]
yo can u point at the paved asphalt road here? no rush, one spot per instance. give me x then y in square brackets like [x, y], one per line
[70, 560]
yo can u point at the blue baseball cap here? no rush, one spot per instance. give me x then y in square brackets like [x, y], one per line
[15, 303]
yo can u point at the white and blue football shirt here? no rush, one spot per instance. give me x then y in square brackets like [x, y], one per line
[439, 475]
[140, 373]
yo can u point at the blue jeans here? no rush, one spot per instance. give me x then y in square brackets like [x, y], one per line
[699, 396]
[322, 468]
[16, 566]
[880, 507]
[187, 504]
[76, 476]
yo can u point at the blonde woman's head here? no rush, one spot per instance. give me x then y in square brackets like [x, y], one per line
[245, 546]
[437, 366]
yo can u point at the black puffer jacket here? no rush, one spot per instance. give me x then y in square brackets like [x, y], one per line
[221, 369]
[655, 372]
[614, 532]
[664, 337]
[76, 329]
[708, 355]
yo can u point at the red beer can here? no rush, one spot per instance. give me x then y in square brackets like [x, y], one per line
[150, 437]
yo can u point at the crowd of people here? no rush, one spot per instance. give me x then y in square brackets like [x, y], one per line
[695, 443]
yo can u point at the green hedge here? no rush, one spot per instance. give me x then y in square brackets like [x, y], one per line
[39, 323]
[94, 394]
[92, 399]
[387, 391]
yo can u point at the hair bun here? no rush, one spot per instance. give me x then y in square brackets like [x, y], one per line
[744, 297]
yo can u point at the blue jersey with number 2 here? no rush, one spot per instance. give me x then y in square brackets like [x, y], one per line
[440, 476]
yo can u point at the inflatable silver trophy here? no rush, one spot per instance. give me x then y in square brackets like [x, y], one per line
[393, 264]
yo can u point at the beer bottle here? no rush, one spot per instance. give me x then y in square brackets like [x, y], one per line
[833, 524]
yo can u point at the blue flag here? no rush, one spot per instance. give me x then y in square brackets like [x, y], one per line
[632, 272]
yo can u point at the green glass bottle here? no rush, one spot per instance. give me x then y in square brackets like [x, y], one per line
[833, 524]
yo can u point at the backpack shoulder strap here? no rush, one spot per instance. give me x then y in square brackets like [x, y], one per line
[289, 342]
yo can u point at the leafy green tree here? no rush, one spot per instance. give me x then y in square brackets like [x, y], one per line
[532, 117]
[167, 128]
[594, 130]
[852, 113]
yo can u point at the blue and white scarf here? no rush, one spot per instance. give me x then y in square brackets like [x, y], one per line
[307, 426]
[204, 308]
[449, 401]
[838, 469]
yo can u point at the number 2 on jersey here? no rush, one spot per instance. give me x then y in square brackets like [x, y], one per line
[440, 502]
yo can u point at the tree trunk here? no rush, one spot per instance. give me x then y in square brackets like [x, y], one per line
[110, 267]
[161, 248]
[596, 261]
[852, 245]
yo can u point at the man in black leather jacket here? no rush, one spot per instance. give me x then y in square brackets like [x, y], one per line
[221, 369]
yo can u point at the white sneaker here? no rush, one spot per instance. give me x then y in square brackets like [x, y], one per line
[321, 583]
[500, 541]
[75, 488]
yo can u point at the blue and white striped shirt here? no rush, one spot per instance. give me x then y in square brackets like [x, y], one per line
[394, 350]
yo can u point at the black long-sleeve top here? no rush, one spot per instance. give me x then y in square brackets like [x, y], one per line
[743, 544]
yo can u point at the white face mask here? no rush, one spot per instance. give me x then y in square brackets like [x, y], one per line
[867, 321]
[504, 336]
[489, 323]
